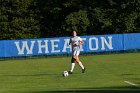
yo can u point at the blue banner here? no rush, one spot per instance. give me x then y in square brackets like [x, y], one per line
[131, 41]
[60, 45]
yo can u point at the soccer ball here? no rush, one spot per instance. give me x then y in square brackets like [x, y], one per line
[65, 73]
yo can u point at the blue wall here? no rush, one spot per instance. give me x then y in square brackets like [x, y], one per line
[51, 46]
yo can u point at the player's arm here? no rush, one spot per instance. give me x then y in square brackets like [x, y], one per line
[70, 41]
[81, 42]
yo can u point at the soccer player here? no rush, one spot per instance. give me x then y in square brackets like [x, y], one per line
[75, 42]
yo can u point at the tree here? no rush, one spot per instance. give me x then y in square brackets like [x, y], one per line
[114, 16]
[18, 20]
[77, 21]
[54, 18]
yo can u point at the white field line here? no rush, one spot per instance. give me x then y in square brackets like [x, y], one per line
[131, 83]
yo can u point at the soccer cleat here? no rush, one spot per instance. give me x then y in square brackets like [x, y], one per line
[69, 72]
[83, 70]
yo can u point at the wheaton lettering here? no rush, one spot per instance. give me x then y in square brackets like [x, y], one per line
[54, 46]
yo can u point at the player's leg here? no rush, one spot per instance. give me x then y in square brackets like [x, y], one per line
[72, 65]
[81, 65]
[79, 62]
[72, 62]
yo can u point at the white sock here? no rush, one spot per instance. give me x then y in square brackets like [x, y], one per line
[81, 65]
[72, 67]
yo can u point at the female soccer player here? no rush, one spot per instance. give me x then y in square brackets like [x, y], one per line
[75, 42]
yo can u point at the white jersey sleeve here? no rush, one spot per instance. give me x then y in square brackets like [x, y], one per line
[80, 39]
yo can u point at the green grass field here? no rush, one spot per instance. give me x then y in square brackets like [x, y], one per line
[114, 73]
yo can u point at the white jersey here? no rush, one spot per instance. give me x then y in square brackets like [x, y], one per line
[73, 41]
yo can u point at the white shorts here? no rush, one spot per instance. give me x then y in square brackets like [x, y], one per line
[75, 53]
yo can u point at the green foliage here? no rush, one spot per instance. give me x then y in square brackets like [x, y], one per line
[115, 17]
[128, 14]
[53, 18]
[77, 21]
[18, 20]
[105, 16]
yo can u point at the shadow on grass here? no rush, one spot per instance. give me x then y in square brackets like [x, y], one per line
[28, 75]
[127, 89]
